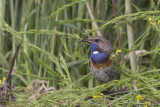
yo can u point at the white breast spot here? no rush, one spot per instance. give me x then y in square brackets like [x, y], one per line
[95, 52]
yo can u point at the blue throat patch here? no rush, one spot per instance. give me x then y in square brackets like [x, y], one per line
[100, 57]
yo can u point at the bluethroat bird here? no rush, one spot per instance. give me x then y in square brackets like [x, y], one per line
[100, 62]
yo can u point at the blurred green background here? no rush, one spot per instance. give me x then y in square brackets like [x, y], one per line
[52, 54]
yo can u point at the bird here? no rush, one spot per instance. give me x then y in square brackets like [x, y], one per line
[100, 62]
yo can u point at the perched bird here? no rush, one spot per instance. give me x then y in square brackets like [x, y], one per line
[100, 62]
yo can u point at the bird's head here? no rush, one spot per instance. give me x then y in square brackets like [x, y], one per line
[99, 43]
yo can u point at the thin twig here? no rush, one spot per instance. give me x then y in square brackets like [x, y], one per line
[118, 31]
[117, 92]
[7, 88]
[13, 61]
[92, 17]
[115, 15]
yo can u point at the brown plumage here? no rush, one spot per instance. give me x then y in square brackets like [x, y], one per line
[100, 62]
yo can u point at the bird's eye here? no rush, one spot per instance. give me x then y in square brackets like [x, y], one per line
[96, 40]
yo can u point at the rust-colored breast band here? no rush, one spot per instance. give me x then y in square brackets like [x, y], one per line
[102, 65]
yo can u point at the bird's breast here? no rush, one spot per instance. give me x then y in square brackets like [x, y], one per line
[102, 65]
[100, 60]
[103, 72]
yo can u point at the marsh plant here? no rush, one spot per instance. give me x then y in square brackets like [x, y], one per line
[51, 68]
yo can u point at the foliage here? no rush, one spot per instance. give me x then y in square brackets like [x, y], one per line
[52, 65]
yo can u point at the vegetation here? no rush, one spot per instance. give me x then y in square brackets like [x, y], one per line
[51, 68]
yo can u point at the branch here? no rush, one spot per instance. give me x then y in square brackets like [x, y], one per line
[118, 32]
[92, 17]
[13, 61]
[7, 88]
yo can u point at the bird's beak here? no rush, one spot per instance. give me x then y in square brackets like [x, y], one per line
[87, 40]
